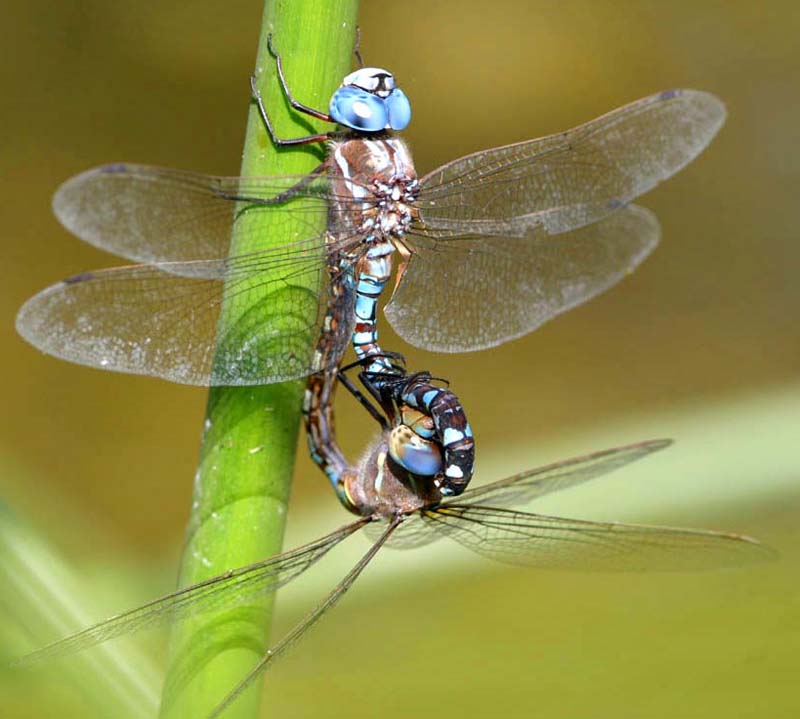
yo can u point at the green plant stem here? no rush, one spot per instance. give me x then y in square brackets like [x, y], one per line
[247, 456]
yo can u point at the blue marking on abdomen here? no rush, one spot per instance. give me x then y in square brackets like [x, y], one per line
[365, 308]
[429, 396]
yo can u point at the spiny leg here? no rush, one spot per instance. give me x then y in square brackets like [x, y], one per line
[364, 402]
[391, 370]
[281, 197]
[299, 106]
[357, 48]
[277, 141]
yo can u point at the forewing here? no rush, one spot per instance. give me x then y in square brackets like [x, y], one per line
[154, 214]
[527, 486]
[470, 294]
[564, 181]
[536, 540]
[233, 588]
[298, 631]
[249, 320]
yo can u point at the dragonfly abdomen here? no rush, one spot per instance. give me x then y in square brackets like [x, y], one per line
[435, 412]
[374, 185]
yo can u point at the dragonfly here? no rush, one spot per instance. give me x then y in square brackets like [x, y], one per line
[492, 244]
[401, 510]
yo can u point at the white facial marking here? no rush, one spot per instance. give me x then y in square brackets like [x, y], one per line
[367, 78]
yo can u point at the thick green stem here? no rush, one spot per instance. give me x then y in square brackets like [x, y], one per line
[247, 455]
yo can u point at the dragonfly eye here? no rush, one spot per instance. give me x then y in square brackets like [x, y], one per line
[358, 109]
[413, 453]
[399, 109]
[368, 101]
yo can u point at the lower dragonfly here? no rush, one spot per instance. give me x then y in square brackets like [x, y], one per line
[402, 509]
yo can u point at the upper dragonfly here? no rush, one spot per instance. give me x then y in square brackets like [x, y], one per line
[492, 244]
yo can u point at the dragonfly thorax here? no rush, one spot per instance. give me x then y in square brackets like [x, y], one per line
[379, 176]
[387, 218]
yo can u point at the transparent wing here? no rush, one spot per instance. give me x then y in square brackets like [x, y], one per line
[412, 533]
[235, 587]
[527, 486]
[418, 529]
[154, 214]
[564, 181]
[278, 650]
[536, 540]
[470, 294]
[253, 319]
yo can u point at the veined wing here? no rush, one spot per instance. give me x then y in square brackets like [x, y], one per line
[422, 527]
[155, 214]
[412, 533]
[278, 650]
[537, 540]
[568, 180]
[230, 589]
[533, 483]
[253, 319]
[474, 293]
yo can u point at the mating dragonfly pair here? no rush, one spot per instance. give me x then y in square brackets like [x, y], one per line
[491, 246]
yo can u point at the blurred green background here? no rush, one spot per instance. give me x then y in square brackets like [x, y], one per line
[702, 344]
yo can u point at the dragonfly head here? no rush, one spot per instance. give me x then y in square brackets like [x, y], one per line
[368, 101]
[380, 485]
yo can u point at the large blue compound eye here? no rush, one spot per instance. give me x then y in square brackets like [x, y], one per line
[359, 110]
[399, 109]
[413, 453]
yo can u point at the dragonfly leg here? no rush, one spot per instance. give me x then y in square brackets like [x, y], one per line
[397, 372]
[357, 48]
[362, 399]
[398, 359]
[281, 197]
[279, 142]
[405, 257]
[299, 106]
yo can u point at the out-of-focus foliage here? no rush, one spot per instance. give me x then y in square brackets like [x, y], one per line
[101, 465]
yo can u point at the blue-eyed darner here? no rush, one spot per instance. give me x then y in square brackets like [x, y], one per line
[493, 244]
[403, 510]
